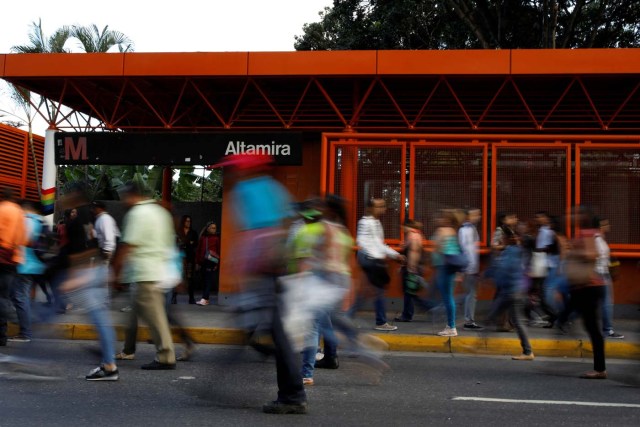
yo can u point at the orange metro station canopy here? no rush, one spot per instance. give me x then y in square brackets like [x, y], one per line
[521, 91]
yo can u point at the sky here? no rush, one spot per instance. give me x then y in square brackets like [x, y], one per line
[165, 26]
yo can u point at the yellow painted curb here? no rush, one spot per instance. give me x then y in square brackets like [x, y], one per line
[396, 342]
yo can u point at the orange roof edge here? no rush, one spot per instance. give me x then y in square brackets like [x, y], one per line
[440, 62]
[576, 61]
[343, 62]
[384, 62]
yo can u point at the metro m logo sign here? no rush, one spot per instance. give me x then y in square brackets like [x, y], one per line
[73, 151]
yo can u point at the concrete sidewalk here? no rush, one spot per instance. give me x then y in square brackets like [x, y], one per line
[216, 325]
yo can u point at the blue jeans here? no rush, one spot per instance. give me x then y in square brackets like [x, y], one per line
[470, 285]
[607, 304]
[21, 298]
[379, 304]
[90, 296]
[321, 326]
[511, 301]
[445, 283]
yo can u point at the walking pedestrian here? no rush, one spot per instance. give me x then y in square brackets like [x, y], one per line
[261, 205]
[187, 240]
[509, 279]
[372, 258]
[469, 242]
[148, 239]
[587, 287]
[602, 268]
[13, 236]
[449, 261]
[412, 272]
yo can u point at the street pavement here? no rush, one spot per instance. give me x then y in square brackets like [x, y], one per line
[214, 324]
[226, 386]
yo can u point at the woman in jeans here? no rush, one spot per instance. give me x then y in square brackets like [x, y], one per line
[446, 237]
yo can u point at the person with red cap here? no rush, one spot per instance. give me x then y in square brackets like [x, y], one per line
[261, 205]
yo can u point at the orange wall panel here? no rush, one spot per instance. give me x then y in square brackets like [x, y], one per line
[2, 62]
[312, 63]
[64, 64]
[439, 62]
[575, 61]
[186, 64]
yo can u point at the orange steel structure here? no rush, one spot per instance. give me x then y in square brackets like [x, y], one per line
[489, 121]
[17, 162]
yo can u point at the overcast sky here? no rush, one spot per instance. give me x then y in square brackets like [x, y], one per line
[166, 26]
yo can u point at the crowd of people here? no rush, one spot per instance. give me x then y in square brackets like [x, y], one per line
[292, 263]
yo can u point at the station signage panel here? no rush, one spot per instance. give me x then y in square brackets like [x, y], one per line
[165, 149]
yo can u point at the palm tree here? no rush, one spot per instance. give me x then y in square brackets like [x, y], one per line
[41, 44]
[93, 40]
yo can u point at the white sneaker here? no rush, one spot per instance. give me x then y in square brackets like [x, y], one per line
[448, 332]
[385, 327]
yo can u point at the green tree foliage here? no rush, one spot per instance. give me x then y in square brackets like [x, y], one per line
[466, 24]
[93, 40]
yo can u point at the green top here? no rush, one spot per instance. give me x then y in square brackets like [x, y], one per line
[448, 245]
[148, 228]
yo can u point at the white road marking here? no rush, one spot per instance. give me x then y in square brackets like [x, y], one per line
[548, 402]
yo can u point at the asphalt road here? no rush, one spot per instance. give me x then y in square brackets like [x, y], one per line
[226, 386]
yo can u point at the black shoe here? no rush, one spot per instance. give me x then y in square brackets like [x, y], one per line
[277, 407]
[3, 343]
[101, 374]
[473, 326]
[157, 366]
[327, 363]
[401, 319]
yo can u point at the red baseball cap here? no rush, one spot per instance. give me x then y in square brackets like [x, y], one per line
[244, 161]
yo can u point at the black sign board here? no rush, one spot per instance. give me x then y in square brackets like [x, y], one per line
[120, 148]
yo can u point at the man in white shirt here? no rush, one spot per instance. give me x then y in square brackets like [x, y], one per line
[372, 257]
[105, 229]
[469, 238]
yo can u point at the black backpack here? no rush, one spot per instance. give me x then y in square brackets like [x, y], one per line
[44, 243]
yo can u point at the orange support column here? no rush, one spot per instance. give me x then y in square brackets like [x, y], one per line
[348, 180]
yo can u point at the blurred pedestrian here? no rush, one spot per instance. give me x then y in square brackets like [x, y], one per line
[509, 278]
[30, 272]
[449, 261]
[208, 262]
[412, 271]
[261, 205]
[372, 257]
[187, 240]
[13, 236]
[469, 243]
[83, 282]
[602, 268]
[148, 239]
[588, 289]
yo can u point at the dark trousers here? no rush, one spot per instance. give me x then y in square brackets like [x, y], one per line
[210, 279]
[587, 301]
[411, 299]
[510, 302]
[538, 289]
[290, 388]
[7, 277]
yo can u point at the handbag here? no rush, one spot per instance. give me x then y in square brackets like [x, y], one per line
[375, 269]
[578, 271]
[208, 255]
[539, 266]
[456, 262]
